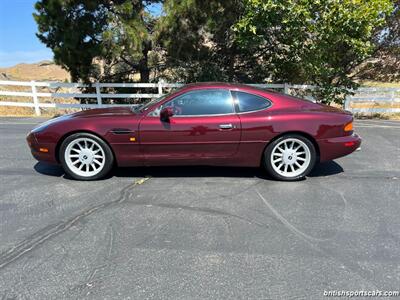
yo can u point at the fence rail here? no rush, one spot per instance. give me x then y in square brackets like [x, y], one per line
[382, 100]
[34, 94]
[389, 96]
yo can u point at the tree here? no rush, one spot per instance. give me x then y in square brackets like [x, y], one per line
[387, 37]
[384, 64]
[316, 42]
[313, 42]
[97, 40]
[199, 41]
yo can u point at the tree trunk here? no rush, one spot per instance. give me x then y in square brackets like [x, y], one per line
[144, 71]
[144, 63]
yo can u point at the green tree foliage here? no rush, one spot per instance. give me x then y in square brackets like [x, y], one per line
[199, 40]
[299, 41]
[101, 40]
[312, 41]
[384, 64]
[387, 37]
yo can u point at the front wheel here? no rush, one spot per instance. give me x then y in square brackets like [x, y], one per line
[290, 157]
[85, 156]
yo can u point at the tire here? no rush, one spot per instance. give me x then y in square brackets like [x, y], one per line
[85, 156]
[290, 157]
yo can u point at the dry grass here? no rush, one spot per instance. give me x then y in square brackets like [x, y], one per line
[15, 111]
[41, 71]
[375, 104]
[370, 83]
[382, 116]
[28, 111]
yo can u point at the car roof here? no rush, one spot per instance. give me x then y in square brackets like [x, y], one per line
[210, 85]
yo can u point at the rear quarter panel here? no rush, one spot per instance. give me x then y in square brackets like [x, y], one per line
[260, 128]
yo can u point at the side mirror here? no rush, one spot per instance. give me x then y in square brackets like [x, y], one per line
[166, 113]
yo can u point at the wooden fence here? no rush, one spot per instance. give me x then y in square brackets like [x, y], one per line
[362, 95]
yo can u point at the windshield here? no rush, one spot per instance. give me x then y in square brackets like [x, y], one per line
[145, 106]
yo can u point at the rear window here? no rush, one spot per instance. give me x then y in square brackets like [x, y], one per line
[249, 102]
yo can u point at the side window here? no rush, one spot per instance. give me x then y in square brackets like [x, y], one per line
[202, 102]
[250, 102]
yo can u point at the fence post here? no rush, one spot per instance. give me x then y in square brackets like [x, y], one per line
[392, 96]
[35, 98]
[160, 86]
[286, 88]
[98, 94]
[347, 103]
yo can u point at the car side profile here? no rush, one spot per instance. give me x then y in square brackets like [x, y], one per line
[215, 124]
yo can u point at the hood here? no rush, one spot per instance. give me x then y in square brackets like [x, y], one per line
[103, 112]
[90, 113]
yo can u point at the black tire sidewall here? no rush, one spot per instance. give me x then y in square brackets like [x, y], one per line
[109, 157]
[268, 151]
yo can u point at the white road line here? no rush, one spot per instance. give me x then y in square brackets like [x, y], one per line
[374, 126]
[389, 122]
[378, 120]
[19, 123]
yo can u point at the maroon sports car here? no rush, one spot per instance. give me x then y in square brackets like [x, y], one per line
[215, 124]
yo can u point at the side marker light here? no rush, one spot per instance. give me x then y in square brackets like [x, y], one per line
[348, 126]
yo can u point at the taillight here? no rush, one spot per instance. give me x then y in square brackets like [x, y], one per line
[349, 144]
[348, 127]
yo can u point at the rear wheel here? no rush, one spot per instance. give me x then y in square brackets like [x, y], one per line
[290, 157]
[85, 156]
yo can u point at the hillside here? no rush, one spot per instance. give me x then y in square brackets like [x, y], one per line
[41, 71]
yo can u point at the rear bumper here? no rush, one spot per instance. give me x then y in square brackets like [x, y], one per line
[337, 147]
[37, 149]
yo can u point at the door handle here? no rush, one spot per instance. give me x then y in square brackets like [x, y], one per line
[226, 126]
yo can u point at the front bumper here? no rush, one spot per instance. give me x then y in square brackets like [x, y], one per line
[333, 148]
[38, 149]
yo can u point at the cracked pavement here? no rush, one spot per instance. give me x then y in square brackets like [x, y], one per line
[199, 232]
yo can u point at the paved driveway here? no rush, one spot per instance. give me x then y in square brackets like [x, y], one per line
[200, 232]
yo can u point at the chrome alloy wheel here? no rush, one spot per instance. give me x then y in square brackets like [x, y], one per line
[85, 157]
[290, 158]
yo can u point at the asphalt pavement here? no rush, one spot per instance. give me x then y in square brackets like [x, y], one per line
[197, 232]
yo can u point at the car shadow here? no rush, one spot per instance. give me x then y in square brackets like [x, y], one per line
[320, 170]
[191, 171]
[326, 169]
[48, 169]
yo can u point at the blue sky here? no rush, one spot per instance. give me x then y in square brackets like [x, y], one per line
[18, 42]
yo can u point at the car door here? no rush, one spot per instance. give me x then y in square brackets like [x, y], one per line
[204, 126]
